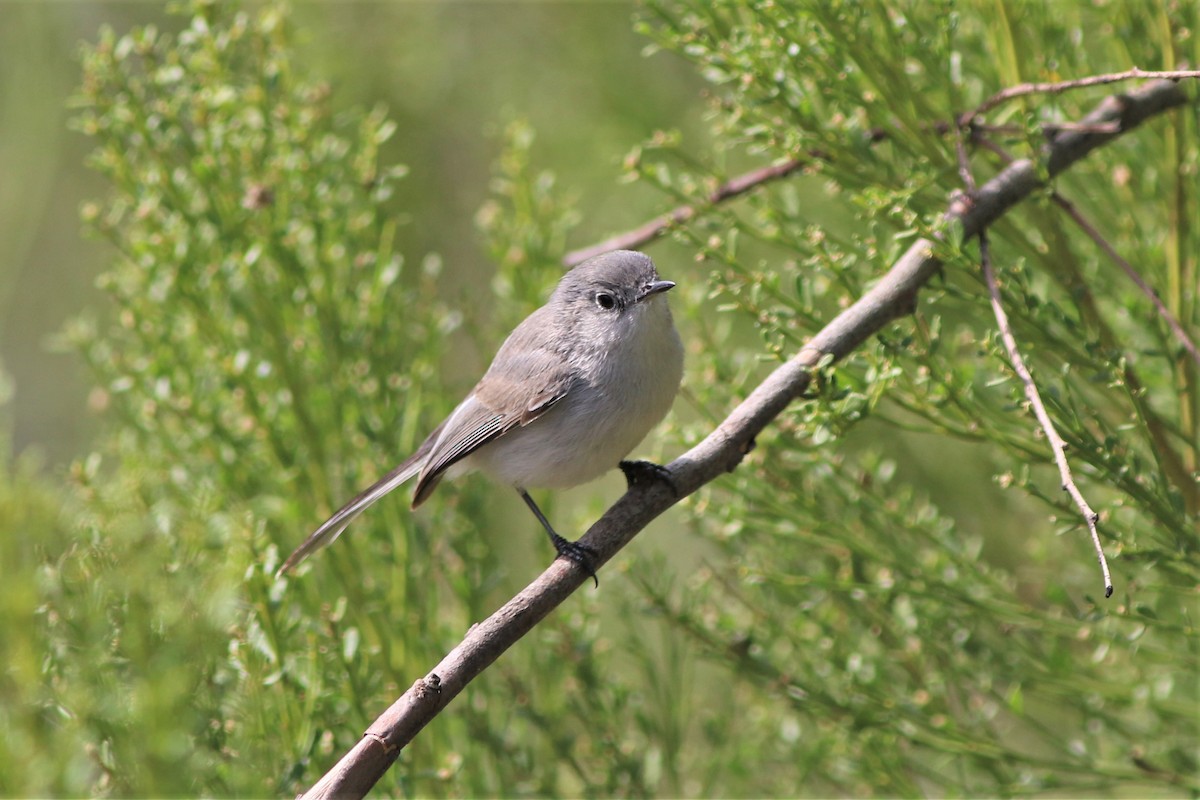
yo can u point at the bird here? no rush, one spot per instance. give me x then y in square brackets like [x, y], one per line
[571, 391]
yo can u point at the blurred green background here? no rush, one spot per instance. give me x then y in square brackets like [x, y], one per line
[449, 74]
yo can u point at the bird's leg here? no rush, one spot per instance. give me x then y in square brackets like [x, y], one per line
[580, 554]
[638, 472]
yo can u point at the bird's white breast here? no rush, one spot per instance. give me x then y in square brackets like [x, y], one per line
[619, 394]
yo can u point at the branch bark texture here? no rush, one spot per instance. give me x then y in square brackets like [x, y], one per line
[893, 296]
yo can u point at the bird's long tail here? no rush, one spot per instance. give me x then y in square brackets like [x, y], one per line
[333, 526]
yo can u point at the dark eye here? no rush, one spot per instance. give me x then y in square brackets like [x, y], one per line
[606, 301]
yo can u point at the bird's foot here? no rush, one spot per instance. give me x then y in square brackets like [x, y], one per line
[582, 555]
[640, 472]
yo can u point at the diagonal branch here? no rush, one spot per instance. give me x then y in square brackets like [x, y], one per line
[1131, 273]
[1090, 230]
[893, 296]
[1058, 87]
[1057, 445]
[649, 231]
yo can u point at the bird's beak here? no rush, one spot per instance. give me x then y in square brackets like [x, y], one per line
[653, 288]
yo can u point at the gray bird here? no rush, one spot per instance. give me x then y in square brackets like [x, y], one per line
[571, 392]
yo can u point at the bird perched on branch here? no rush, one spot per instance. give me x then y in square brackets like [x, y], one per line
[573, 389]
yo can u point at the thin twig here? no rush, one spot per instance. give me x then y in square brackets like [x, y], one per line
[1176, 328]
[964, 164]
[721, 451]
[1077, 216]
[1058, 87]
[1057, 444]
[1164, 452]
[648, 232]
[655, 228]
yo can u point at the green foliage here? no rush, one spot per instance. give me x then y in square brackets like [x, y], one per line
[271, 349]
[258, 286]
[38, 530]
[850, 617]
[890, 653]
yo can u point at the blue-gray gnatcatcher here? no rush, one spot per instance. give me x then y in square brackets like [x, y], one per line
[570, 393]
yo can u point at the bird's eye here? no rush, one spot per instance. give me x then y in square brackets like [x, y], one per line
[606, 301]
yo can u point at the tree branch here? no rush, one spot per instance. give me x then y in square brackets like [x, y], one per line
[894, 295]
[1058, 87]
[1164, 451]
[648, 232]
[1081, 221]
[1057, 445]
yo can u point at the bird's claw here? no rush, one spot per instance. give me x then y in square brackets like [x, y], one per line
[640, 472]
[580, 554]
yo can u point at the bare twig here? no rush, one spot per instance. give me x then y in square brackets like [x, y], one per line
[1176, 328]
[721, 451]
[964, 164]
[1164, 452]
[655, 228]
[648, 232]
[1058, 87]
[1057, 445]
[1077, 216]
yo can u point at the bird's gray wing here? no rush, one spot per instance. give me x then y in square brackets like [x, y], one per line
[519, 387]
[333, 526]
[526, 378]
